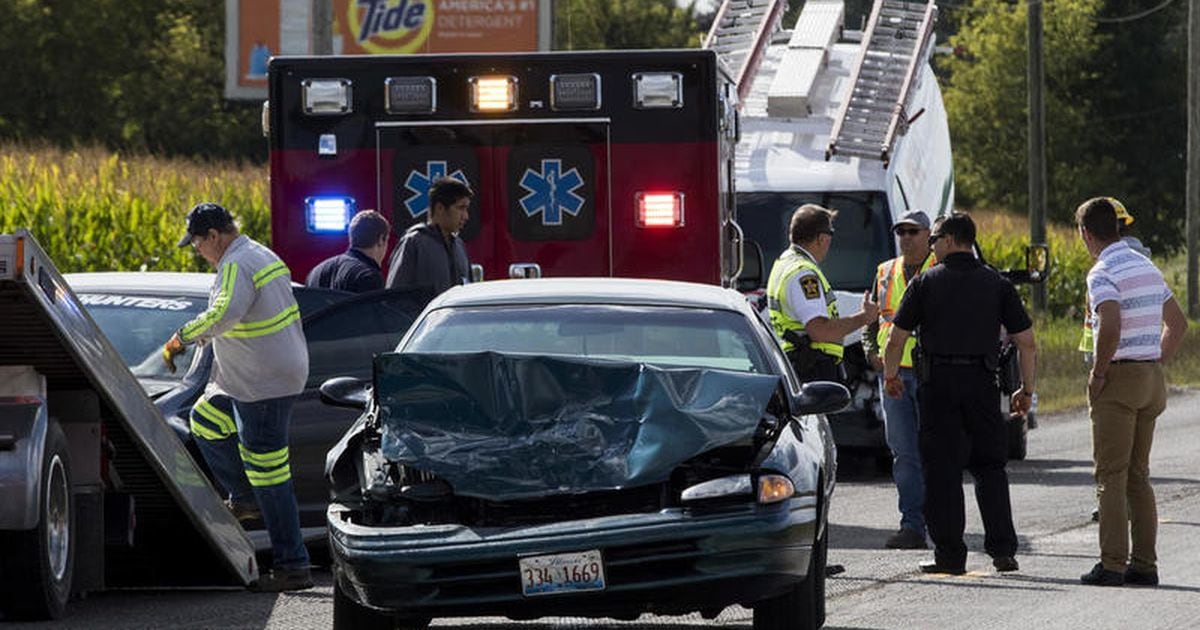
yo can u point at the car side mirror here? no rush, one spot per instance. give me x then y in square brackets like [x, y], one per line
[823, 397]
[752, 267]
[346, 391]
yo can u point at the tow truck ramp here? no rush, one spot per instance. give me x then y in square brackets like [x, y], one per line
[144, 513]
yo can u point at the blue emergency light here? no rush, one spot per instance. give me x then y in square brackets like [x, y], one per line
[328, 214]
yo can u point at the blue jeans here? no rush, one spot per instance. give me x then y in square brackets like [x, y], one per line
[253, 465]
[901, 418]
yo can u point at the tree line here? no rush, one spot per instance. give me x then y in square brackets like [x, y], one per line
[148, 76]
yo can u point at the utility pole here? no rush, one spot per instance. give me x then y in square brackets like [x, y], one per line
[322, 27]
[1037, 141]
[1193, 159]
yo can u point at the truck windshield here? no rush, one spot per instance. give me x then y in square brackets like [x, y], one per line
[862, 240]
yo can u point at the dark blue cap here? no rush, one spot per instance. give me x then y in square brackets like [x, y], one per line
[204, 217]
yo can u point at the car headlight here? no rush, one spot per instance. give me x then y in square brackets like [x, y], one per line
[774, 488]
[717, 488]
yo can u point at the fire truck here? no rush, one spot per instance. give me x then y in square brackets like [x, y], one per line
[601, 163]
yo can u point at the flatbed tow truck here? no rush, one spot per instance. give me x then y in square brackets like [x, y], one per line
[96, 491]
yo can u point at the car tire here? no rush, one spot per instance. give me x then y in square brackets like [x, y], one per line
[802, 607]
[1018, 438]
[39, 563]
[351, 615]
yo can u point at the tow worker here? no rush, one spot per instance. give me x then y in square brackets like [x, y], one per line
[260, 364]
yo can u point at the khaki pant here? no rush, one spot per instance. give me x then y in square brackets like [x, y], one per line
[1123, 416]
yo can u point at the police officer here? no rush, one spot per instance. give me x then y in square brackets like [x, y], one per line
[801, 303]
[358, 269]
[958, 307]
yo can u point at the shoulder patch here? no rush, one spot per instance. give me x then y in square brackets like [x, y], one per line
[811, 286]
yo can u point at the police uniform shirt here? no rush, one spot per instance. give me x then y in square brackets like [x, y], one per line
[959, 306]
[805, 296]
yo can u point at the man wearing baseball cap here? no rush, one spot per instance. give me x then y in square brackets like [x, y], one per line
[260, 364]
[901, 416]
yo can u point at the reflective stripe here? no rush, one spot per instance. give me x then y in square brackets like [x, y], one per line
[216, 310]
[264, 460]
[267, 326]
[890, 277]
[269, 273]
[270, 477]
[203, 432]
[209, 412]
[790, 263]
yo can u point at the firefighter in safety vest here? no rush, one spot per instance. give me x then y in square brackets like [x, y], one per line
[260, 364]
[801, 303]
[900, 415]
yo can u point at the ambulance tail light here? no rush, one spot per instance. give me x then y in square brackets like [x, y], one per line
[659, 209]
[493, 93]
[328, 215]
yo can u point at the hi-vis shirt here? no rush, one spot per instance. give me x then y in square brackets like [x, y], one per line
[253, 322]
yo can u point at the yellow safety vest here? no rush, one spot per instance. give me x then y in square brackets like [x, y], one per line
[790, 263]
[889, 277]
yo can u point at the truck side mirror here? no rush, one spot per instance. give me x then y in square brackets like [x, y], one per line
[1037, 261]
[752, 267]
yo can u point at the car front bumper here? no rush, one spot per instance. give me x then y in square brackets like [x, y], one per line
[670, 562]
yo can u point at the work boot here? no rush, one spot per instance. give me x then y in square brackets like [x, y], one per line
[279, 580]
[1141, 578]
[1099, 576]
[1005, 564]
[932, 566]
[244, 512]
[905, 539]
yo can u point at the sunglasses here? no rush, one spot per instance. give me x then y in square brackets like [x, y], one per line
[934, 237]
[908, 231]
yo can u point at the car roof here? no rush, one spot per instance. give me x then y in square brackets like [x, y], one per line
[145, 282]
[592, 291]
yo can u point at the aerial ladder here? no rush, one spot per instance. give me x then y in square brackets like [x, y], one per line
[740, 35]
[895, 45]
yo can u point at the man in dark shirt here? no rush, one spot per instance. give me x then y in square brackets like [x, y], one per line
[431, 254]
[958, 308]
[358, 269]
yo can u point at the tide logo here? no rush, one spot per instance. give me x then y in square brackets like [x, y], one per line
[390, 26]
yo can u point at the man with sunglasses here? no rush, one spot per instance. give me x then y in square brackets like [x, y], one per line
[801, 303]
[958, 307]
[901, 415]
[260, 364]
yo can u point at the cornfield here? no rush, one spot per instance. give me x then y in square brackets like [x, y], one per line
[97, 211]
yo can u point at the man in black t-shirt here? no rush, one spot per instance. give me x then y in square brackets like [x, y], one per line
[958, 308]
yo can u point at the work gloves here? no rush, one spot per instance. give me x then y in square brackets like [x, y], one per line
[173, 348]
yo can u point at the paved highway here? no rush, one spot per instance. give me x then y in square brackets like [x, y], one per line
[880, 589]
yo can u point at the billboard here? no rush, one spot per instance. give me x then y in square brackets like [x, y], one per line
[257, 30]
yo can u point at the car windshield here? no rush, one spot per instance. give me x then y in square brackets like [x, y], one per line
[138, 326]
[862, 229]
[662, 336]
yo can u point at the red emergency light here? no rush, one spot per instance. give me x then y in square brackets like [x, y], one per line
[659, 209]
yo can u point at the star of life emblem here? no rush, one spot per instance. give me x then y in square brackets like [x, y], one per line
[419, 183]
[551, 192]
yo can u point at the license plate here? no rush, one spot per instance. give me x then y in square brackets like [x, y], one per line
[562, 573]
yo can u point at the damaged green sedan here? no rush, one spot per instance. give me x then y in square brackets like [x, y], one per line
[584, 447]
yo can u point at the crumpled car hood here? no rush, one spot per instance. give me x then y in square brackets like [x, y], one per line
[501, 426]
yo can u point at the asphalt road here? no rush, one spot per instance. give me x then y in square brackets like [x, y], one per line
[1052, 501]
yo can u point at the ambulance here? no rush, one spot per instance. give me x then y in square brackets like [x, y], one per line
[599, 163]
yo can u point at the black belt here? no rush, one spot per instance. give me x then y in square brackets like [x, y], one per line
[1134, 361]
[957, 359]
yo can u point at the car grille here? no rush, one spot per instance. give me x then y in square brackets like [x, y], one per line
[485, 513]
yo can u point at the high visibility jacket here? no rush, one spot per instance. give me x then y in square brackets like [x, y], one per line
[253, 322]
[889, 278]
[790, 263]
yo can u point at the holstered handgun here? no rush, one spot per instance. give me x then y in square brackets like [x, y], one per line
[921, 364]
[803, 356]
[1008, 369]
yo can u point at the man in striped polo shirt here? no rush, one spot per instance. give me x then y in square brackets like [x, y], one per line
[1138, 325]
